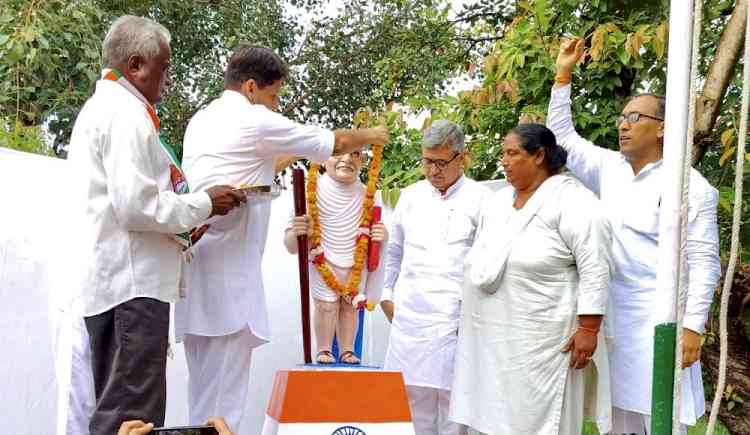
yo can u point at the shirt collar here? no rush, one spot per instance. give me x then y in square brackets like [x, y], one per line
[234, 95]
[649, 167]
[451, 190]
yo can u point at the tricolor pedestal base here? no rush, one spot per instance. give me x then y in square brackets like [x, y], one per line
[326, 401]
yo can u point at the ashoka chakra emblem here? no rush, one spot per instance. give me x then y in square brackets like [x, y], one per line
[348, 430]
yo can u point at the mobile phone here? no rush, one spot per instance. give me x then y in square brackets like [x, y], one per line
[185, 430]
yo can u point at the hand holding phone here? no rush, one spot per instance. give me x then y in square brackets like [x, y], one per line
[185, 430]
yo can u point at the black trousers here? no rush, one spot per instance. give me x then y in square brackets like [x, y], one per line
[129, 360]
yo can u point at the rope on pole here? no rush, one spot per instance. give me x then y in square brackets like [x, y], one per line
[736, 221]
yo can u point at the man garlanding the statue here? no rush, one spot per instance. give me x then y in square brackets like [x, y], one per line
[239, 139]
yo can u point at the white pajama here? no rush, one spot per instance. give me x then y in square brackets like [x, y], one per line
[633, 206]
[219, 371]
[75, 381]
[429, 411]
[233, 142]
[629, 423]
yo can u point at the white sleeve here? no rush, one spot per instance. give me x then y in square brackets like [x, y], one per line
[704, 267]
[374, 286]
[278, 135]
[587, 234]
[395, 249]
[138, 203]
[585, 159]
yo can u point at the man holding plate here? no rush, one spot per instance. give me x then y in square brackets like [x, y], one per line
[238, 139]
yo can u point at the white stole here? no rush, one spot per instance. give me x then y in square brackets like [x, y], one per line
[485, 263]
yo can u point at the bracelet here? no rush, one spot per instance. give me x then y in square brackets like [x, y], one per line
[563, 79]
[591, 330]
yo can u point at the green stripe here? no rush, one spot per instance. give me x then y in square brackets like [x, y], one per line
[171, 151]
[662, 394]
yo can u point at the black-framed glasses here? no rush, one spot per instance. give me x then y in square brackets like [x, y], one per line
[634, 117]
[439, 163]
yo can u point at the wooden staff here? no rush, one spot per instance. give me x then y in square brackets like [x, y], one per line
[300, 209]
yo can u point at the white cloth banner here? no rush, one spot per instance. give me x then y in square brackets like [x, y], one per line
[33, 219]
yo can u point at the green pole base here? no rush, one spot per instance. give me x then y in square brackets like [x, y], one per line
[662, 391]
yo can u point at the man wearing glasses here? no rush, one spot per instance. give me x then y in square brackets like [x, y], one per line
[431, 231]
[630, 185]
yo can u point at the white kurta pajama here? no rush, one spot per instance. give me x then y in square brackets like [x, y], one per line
[130, 205]
[541, 266]
[429, 236]
[232, 142]
[632, 205]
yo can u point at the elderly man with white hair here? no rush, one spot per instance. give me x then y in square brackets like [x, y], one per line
[431, 231]
[137, 217]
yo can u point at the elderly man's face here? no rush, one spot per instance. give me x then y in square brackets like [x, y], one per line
[151, 76]
[442, 166]
[345, 168]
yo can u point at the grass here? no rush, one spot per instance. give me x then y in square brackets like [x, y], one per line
[699, 428]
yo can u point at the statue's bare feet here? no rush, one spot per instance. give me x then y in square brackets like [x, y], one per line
[325, 357]
[348, 357]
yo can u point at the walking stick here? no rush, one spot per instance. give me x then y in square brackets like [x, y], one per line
[300, 209]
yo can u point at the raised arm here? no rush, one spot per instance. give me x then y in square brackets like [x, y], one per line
[280, 136]
[585, 159]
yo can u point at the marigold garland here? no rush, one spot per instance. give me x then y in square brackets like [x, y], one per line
[363, 241]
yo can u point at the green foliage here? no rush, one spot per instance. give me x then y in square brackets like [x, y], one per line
[589, 428]
[49, 60]
[15, 135]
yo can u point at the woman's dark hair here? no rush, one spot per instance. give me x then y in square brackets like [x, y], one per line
[252, 62]
[536, 136]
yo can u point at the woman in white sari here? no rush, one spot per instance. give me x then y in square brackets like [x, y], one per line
[535, 292]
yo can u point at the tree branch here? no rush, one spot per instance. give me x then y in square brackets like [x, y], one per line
[718, 78]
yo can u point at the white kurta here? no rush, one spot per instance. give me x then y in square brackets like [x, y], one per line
[511, 376]
[234, 142]
[128, 210]
[429, 236]
[632, 205]
[340, 209]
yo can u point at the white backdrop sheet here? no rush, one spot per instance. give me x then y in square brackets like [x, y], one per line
[32, 220]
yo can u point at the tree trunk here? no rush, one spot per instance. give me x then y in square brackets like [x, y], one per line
[719, 76]
[737, 420]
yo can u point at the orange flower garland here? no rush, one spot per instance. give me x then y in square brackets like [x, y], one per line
[362, 243]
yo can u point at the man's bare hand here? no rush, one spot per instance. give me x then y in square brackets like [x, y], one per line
[691, 347]
[224, 199]
[220, 425]
[387, 307]
[379, 232]
[135, 427]
[379, 135]
[301, 226]
[197, 233]
[571, 51]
